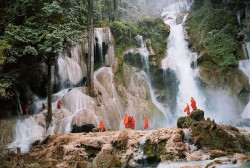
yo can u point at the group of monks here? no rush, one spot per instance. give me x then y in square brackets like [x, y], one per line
[193, 105]
[129, 122]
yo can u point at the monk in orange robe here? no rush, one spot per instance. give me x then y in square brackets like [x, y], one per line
[193, 104]
[125, 121]
[145, 123]
[187, 109]
[59, 104]
[101, 126]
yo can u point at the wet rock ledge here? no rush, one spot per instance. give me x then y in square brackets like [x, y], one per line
[134, 148]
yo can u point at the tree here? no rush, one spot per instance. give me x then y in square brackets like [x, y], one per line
[90, 63]
[52, 29]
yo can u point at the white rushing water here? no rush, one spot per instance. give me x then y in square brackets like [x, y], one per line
[99, 35]
[200, 164]
[69, 69]
[179, 58]
[244, 66]
[144, 53]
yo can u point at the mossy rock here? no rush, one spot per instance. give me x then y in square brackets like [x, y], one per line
[207, 134]
[82, 164]
[197, 115]
[217, 153]
[150, 150]
[33, 165]
[121, 141]
[134, 59]
[105, 160]
[184, 122]
[75, 160]
[167, 157]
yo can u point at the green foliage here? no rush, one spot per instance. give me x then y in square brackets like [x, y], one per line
[157, 31]
[4, 47]
[214, 31]
[124, 37]
[222, 48]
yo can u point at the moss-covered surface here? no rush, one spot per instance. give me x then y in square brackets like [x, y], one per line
[105, 160]
[214, 32]
[197, 115]
[77, 161]
[154, 151]
[184, 122]
[207, 134]
[157, 31]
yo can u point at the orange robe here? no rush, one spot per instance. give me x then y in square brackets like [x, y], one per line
[129, 122]
[126, 122]
[101, 126]
[145, 123]
[59, 104]
[26, 110]
[193, 104]
[133, 123]
[187, 110]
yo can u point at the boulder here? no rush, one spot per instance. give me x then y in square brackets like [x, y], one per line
[197, 115]
[184, 122]
[106, 160]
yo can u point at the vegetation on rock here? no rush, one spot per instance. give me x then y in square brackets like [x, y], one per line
[207, 134]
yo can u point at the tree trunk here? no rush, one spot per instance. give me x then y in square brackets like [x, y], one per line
[90, 64]
[49, 115]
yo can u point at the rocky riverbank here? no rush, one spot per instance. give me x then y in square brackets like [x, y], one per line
[133, 148]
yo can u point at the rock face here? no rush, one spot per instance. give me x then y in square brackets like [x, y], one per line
[207, 134]
[233, 79]
[6, 135]
[123, 148]
[126, 148]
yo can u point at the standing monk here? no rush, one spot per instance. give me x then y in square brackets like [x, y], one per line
[193, 104]
[26, 111]
[101, 126]
[145, 122]
[133, 123]
[59, 104]
[125, 121]
[187, 109]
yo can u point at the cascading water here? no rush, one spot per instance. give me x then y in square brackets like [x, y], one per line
[244, 66]
[99, 34]
[238, 17]
[69, 69]
[179, 57]
[143, 51]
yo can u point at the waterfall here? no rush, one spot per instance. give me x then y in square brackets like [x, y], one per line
[179, 58]
[238, 18]
[192, 147]
[99, 35]
[25, 133]
[145, 59]
[244, 66]
[19, 103]
[69, 69]
[248, 49]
